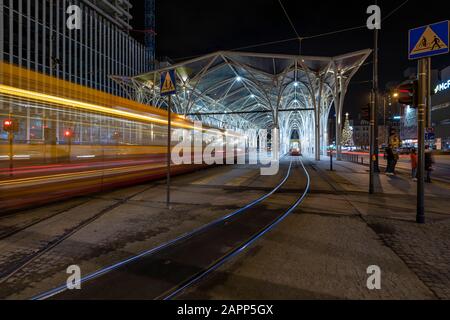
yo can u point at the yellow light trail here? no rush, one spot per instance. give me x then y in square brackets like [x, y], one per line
[26, 94]
[82, 105]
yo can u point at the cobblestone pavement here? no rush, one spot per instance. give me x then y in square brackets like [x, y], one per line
[322, 251]
[313, 256]
[424, 249]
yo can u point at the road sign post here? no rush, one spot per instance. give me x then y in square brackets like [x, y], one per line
[422, 74]
[372, 145]
[168, 88]
[425, 42]
[169, 150]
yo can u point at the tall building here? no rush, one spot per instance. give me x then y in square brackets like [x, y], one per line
[34, 34]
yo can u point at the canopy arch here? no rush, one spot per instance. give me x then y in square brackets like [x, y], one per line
[243, 91]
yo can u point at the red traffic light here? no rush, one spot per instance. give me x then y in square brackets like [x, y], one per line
[10, 126]
[408, 93]
[68, 134]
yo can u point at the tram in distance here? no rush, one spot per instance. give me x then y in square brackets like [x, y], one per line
[60, 140]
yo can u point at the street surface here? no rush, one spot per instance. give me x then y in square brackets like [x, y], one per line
[321, 251]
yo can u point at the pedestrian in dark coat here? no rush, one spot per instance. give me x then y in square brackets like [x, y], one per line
[390, 157]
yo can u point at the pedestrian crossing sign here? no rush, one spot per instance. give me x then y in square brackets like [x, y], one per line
[429, 40]
[168, 83]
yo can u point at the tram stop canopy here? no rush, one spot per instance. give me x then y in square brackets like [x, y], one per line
[242, 90]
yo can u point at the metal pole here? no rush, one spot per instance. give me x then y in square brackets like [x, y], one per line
[169, 150]
[376, 168]
[429, 122]
[11, 154]
[372, 146]
[422, 74]
[331, 159]
[386, 131]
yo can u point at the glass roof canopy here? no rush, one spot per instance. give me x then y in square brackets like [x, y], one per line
[242, 90]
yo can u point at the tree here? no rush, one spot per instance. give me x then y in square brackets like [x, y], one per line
[347, 133]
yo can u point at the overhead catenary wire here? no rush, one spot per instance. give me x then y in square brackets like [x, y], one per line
[289, 19]
[394, 11]
[292, 25]
[265, 44]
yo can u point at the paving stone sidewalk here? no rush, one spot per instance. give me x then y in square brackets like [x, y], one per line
[425, 249]
[323, 250]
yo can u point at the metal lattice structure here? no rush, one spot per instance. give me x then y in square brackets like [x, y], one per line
[242, 91]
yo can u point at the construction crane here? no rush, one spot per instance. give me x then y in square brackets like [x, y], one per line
[150, 26]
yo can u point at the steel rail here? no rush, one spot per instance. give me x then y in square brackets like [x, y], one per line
[244, 246]
[99, 273]
[5, 276]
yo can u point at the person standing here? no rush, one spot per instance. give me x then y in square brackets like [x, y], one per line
[396, 159]
[414, 164]
[390, 157]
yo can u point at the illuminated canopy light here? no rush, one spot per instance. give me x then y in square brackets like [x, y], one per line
[238, 79]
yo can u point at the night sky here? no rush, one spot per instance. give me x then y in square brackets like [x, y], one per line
[197, 27]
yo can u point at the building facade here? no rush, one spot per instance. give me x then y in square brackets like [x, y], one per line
[440, 116]
[361, 134]
[35, 34]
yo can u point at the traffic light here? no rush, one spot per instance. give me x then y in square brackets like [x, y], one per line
[68, 134]
[408, 93]
[10, 126]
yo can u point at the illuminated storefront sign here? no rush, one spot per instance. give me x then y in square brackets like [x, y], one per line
[442, 87]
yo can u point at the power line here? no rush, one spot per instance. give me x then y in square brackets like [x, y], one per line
[395, 10]
[321, 34]
[334, 32]
[293, 27]
[289, 19]
[264, 44]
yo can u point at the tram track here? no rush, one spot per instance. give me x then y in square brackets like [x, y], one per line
[167, 270]
[11, 271]
[18, 229]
